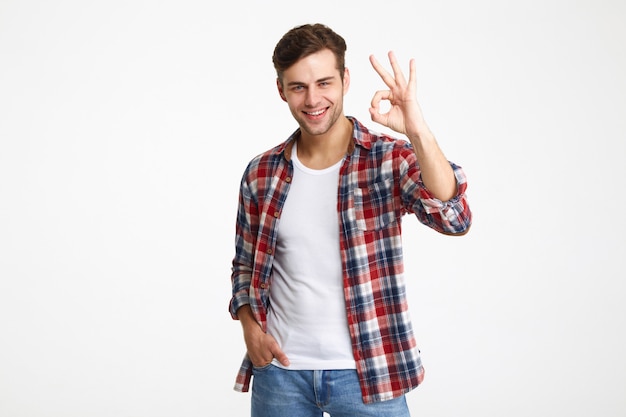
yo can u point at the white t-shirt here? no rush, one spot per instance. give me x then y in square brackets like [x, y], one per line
[307, 314]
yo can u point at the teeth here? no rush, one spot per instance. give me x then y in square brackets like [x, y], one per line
[317, 113]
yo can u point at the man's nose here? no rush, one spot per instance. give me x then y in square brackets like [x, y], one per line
[312, 97]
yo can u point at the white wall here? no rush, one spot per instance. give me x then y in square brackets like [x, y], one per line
[124, 130]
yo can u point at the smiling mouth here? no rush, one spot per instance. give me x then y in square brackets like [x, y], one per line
[315, 113]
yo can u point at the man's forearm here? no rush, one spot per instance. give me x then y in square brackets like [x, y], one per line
[437, 174]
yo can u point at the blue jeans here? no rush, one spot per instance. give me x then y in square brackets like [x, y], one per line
[278, 392]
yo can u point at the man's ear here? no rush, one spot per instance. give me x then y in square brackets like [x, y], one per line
[346, 81]
[279, 85]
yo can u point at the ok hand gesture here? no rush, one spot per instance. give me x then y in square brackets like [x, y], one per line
[405, 114]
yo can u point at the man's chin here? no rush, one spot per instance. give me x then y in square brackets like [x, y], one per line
[314, 131]
[313, 128]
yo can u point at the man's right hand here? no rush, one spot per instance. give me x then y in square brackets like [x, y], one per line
[262, 347]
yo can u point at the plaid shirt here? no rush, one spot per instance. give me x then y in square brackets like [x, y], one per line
[380, 181]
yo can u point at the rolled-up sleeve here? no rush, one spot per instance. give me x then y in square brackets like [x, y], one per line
[451, 217]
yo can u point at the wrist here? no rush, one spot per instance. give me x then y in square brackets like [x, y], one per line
[246, 318]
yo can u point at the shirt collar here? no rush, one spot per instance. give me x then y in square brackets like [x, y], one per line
[360, 134]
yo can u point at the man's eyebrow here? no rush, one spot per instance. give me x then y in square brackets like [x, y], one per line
[321, 80]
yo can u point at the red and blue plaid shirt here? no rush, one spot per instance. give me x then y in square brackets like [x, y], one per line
[380, 181]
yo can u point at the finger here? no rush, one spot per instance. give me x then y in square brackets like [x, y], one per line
[379, 96]
[377, 117]
[397, 71]
[375, 111]
[280, 356]
[412, 75]
[386, 76]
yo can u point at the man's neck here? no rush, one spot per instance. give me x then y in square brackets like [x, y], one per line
[322, 151]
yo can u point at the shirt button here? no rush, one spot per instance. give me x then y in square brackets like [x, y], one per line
[269, 251]
[287, 179]
[264, 286]
[276, 214]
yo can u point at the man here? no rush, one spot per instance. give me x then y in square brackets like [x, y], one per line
[317, 276]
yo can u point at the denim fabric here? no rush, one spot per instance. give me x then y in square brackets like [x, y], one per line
[278, 392]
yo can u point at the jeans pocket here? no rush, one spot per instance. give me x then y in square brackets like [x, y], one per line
[264, 368]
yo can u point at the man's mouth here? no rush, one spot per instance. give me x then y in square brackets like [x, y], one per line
[315, 113]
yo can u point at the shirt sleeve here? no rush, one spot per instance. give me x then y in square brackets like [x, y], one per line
[451, 217]
[241, 275]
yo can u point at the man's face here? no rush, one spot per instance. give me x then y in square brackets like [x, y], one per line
[313, 89]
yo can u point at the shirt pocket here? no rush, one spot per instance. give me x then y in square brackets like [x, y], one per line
[373, 206]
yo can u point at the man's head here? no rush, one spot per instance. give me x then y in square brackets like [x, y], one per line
[312, 78]
[304, 40]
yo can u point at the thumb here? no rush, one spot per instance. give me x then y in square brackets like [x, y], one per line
[280, 355]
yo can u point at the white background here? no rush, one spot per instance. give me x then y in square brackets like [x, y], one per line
[125, 127]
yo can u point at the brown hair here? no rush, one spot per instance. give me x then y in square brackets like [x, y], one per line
[304, 40]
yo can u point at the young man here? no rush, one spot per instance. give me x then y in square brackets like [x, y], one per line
[317, 276]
